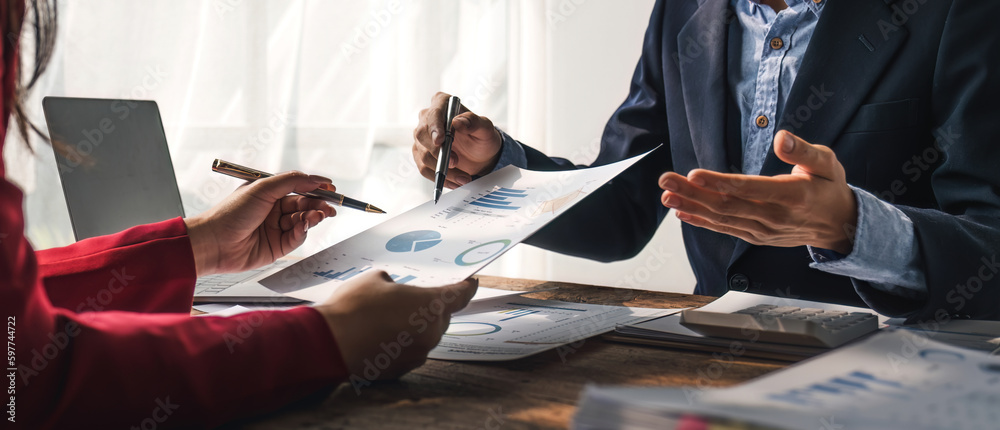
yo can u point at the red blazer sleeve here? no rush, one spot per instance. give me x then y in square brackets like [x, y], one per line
[120, 369]
[149, 268]
[116, 369]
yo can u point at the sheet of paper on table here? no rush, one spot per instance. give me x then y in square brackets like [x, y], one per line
[512, 328]
[896, 379]
[440, 244]
[228, 309]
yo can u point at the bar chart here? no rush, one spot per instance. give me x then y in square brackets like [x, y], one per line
[501, 198]
[354, 271]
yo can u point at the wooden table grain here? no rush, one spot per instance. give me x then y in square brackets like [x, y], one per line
[538, 392]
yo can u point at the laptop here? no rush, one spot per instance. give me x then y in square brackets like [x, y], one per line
[116, 173]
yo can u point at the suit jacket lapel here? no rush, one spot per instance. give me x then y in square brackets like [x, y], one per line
[701, 45]
[853, 42]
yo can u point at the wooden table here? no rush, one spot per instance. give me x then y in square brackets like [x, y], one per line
[535, 392]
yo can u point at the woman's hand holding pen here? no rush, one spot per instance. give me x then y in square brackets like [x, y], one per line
[475, 150]
[257, 224]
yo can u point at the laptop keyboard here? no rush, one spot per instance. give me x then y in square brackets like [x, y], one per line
[215, 284]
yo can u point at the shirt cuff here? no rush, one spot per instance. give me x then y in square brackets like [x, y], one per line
[885, 250]
[511, 153]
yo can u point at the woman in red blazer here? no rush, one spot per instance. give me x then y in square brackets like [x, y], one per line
[98, 333]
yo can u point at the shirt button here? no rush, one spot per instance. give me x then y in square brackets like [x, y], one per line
[762, 121]
[777, 43]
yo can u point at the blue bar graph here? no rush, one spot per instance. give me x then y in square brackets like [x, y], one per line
[516, 313]
[352, 272]
[500, 199]
[342, 276]
[549, 307]
[402, 280]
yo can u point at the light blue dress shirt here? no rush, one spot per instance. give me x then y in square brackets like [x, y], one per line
[885, 251]
[773, 43]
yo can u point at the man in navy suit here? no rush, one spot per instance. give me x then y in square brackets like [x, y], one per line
[834, 150]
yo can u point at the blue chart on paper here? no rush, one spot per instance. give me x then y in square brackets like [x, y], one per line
[501, 198]
[402, 279]
[413, 241]
[343, 275]
[354, 271]
[469, 328]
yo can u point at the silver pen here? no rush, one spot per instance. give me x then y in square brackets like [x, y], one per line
[444, 154]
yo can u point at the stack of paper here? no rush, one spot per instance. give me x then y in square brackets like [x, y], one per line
[897, 379]
[510, 328]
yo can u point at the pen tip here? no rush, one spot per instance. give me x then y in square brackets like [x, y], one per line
[374, 209]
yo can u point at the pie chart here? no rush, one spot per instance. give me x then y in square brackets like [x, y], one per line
[414, 241]
[480, 253]
[461, 328]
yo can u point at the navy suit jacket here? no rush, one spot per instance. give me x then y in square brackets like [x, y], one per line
[900, 90]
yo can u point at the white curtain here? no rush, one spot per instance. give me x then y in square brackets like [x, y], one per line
[326, 87]
[334, 88]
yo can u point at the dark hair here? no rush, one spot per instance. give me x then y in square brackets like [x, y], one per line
[42, 29]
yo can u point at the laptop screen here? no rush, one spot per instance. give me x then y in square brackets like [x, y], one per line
[113, 163]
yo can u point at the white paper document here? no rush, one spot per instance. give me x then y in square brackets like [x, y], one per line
[895, 379]
[512, 328]
[439, 244]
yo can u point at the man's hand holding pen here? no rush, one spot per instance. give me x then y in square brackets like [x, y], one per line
[475, 148]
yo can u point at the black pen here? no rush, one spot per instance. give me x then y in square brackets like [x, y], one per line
[444, 154]
[242, 172]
